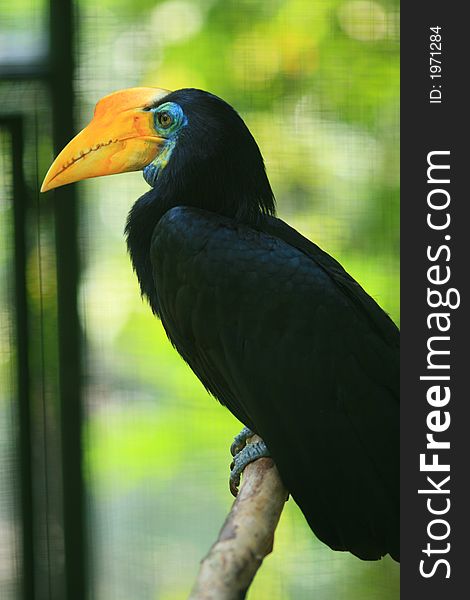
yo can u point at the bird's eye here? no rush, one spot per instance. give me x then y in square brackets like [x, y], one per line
[164, 119]
[168, 118]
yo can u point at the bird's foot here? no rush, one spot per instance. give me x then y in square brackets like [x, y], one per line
[239, 441]
[247, 454]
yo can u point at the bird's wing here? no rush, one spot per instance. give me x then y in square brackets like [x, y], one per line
[371, 311]
[292, 353]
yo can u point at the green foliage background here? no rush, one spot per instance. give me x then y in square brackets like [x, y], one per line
[317, 82]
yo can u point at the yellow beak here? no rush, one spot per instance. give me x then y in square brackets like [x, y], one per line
[121, 137]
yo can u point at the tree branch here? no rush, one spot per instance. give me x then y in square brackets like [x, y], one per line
[246, 537]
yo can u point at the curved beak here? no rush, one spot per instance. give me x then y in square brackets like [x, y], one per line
[121, 137]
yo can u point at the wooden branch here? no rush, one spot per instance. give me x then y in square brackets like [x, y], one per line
[246, 537]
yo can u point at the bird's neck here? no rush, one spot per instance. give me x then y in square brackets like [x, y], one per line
[247, 206]
[141, 222]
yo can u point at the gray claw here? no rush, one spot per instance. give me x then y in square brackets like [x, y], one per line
[239, 441]
[248, 454]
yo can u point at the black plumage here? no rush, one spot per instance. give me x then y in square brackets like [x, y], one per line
[274, 328]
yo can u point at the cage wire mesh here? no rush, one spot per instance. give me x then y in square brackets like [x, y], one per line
[23, 35]
[26, 102]
[23, 45]
[10, 548]
[317, 84]
[21, 39]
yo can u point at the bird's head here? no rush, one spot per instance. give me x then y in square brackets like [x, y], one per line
[191, 146]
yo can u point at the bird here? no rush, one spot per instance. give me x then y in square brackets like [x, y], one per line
[273, 326]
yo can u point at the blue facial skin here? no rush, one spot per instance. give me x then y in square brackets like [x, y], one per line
[169, 134]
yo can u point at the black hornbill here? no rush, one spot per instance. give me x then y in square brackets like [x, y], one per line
[273, 326]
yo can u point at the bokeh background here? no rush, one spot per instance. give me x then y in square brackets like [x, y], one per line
[317, 82]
